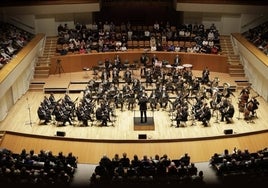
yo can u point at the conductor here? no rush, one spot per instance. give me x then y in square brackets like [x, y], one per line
[143, 107]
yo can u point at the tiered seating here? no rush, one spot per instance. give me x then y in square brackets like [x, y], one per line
[36, 169]
[12, 40]
[106, 39]
[241, 165]
[259, 37]
[160, 170]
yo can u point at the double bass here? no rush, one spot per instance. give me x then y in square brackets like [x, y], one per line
[243, 99]
[250, 107]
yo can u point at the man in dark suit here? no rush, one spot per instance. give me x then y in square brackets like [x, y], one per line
[143, 107]
[177, 61]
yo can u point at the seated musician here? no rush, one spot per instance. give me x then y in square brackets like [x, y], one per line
[169, 85]
[98, 113]
[148, 77]
[68, 100]
[153, 100]
[52, 99]
[244, 94]
[182, 115]
[105, 117]
[227, 91]
[105, 75]
[91, 85]
[205, 76]
[136, 84]
[43, 114]
[112, 91]
[164, 98]
[252, 105]
[228, 112]
[61, 116]
[47, 102]
[115, 76]
[131, 100]
[119, 100]
[205, 115]
[195, 86]
[83, 115]
[128, 76]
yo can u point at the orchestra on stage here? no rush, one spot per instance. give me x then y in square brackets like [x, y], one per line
[171, 87]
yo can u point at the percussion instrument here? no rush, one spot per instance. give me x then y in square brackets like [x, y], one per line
[180, 67]
[158, 64]
[187, 66]
[168, 66]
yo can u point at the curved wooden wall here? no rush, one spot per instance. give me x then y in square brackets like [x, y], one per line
[76, 62]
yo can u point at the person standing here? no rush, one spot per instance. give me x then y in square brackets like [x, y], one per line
[143, 108]
[144, 61]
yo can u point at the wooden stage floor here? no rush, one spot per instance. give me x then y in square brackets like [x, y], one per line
[164, 128]
[22, 118]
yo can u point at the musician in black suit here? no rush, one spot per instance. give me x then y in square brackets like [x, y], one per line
[143, 60]
[143, 108]
[177, 61]
[205, 76]
[228, 112]
[205, 115]
[182, 115]
[43, 114]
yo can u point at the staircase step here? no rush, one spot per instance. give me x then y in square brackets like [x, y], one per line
[36, 89]
[237, 74]
[42, 67]
[240, 79]
[236, 70]
[2, 133]
[234, 56]
[38, 81]
[36, 86]
[42, 71]
[234, 62]
[40, 76]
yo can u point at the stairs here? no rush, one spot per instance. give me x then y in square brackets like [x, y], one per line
[236, 69]
[2, 133]
[42, 67]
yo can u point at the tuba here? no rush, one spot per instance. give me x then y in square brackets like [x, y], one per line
[215, 82]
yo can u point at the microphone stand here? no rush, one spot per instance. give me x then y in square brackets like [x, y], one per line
[29, 110]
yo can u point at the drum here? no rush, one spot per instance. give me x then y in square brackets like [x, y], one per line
[158, 64]
[169, 66]
[180, 67]
[187, 66]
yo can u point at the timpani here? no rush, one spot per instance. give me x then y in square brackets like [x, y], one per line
[187, 66]
[180, 67]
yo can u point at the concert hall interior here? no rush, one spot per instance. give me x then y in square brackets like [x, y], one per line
[87, 101]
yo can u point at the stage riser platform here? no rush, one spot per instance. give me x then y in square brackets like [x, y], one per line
[148, 126]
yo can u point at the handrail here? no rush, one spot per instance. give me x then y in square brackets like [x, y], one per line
[252, 48]
[8, 68]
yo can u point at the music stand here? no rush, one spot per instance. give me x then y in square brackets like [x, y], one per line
[59, 67]
[30, 117]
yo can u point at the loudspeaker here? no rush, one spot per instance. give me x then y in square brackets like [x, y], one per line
[142, 136]
[228, 131]
[60, 133]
